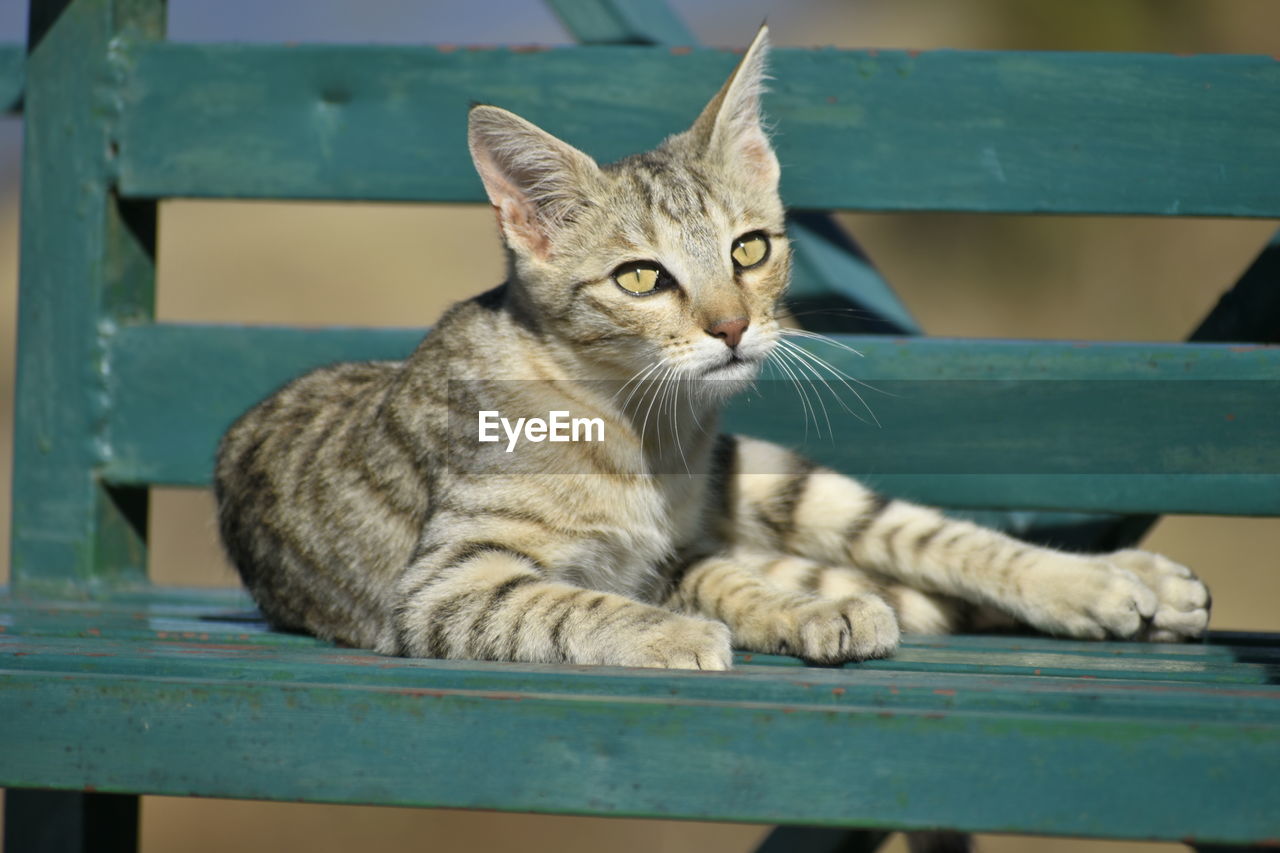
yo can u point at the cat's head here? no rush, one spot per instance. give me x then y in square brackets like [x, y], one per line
[674, 258]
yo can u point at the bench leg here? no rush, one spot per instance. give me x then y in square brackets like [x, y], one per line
[38, 821]
[817, 839]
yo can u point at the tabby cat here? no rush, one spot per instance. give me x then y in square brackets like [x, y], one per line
[356, 511]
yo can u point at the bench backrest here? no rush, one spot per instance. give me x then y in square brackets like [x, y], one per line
[110, 402]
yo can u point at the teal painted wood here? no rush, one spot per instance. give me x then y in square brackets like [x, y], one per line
[622, 22]
[85, 267]
[939, 674]
[649, 758]
[228, 615]
[146, 392]
[1106, 755]
[945, 130]
[1216, 455]
[12, 59]
[835, 287]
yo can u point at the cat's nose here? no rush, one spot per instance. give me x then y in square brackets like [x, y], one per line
[729, 331]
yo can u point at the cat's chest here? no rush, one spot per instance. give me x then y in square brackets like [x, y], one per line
[647, 524]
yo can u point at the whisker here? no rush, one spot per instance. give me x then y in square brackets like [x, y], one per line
[820, 338]
[802, 366]
[639, 374]
[675, 426]
[645, 424]
[860, 313]
[785, 363]
[688, 397]
[840, 376]
[647, 371]
[817, 336]
[775, 363]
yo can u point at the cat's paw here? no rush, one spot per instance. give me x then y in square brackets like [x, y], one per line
[680, 642]
[1089, 597]
[838, 631]
[1184, 600]
[1131, 595]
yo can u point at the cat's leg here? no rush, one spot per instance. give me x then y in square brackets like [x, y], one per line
[918, 612]
[734, 587]
[776, 499]
[485, 600]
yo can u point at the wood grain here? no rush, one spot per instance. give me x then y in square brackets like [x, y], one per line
[887, 130]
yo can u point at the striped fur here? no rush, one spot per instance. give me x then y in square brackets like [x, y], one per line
[355, 509]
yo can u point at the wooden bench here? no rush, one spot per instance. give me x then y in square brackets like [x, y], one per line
[112, 687]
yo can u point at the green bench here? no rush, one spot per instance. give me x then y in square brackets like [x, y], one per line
[112, 687]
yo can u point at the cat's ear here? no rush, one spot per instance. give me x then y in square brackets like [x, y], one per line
[536, 182]
[730, 127]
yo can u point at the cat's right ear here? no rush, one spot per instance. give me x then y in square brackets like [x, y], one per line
[536, 183]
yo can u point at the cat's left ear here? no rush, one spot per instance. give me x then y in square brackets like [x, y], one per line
[730, 127]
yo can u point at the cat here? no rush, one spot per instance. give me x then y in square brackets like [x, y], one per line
[355, 510]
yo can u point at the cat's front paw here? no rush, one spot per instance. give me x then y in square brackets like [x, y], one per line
[1087, 597]
[1184, 600]
[853, 629]
[1131, 595]
[680, 642]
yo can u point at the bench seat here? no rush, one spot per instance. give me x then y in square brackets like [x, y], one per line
[187, 692]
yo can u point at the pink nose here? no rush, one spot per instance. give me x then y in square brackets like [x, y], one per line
[730, 331]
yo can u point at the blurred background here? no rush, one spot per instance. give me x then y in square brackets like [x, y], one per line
[398, 265]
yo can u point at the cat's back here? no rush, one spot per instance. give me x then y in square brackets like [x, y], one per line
[278, 432]
[348, 415]
[296, 477]
[323, 487]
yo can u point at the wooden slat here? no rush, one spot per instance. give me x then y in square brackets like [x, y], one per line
[622, 22]
[1143, 427]
[1043, 680]
[238, 365]
[667, 758]
[229, 616]
[12, 60]
[891, 130]
[1137, 749]
[202, 628]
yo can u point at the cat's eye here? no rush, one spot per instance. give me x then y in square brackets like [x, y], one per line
[749, 250]
[641, 277]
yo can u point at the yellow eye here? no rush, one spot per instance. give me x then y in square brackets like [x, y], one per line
[750, 249]
[639, 278]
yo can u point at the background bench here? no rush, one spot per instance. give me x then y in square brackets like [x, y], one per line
[112, 687]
